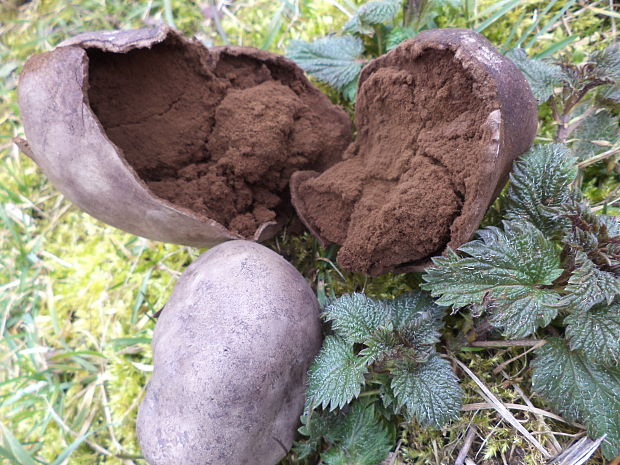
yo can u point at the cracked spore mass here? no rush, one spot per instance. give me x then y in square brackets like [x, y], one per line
[418, 160]
[218, 132]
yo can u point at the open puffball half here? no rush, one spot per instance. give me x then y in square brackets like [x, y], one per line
[161, 137]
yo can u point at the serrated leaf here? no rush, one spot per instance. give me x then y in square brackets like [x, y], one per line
[350, 90]
[355, 317]
[397, 36]
[429, 391]
[336, 376]
[381, 346]
[357, 439]
[540, 180]
[598, 236]
[580, 390]
[596, 333]
[334, 60]
[417, 317]
[314, 425]
[612, 224]
[508, 270]
[543, 77]
[606, 63]
[371, 13]
[610, 96]
[596, 128]
[588, 285]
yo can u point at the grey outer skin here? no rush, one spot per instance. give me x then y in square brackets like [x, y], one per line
[231, 351]
[513, 127]
[67, 141]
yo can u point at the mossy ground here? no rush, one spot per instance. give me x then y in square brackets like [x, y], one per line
[77, 296]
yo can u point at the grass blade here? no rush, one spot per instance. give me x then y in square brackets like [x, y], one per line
[15, 448]
[498, 14]
[551, 22]
[529, 30]
[513, 31]
[556, 47]
[69, 450]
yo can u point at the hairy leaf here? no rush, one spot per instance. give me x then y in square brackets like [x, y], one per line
[580, 390]
[610, 96]
[417, 318]
[588, 285]
[383, 345]
[397, 36]
[375, 12]
[606, 63]
[598, 236]
[601, 127]
[314, 425]
[596, 333]
[336, 376]
[540, 179]
[357, 439]
[429, 391]
[508, 271]
[334, 60]
[355, 317]
[611, 223]
[543, 77]
[413, 309]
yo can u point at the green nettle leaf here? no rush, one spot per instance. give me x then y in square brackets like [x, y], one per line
[596, 333]
[334, 60]
[382, 345]
[588, 285]
[612, 224]
[336, 376]
[606, 63]
[610, 96]
[543, 77]
[540, 180]
[418, 318]
[580, 390]
[357, 439]
[429, 391]
[355, 317]
[509, 271]
[350, 90]
[598, 236]
[414, 310]
[371, 13]
[596, 133]
[397, 36]
[313, 426]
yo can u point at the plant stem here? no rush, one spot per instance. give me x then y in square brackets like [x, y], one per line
[369, 393]
[379, 33]
[509, 343]
[597, 158]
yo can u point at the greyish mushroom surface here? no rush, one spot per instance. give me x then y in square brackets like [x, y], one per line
[231, 351]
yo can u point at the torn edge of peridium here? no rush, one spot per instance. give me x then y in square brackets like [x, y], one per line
[121, 41]
[24, 146]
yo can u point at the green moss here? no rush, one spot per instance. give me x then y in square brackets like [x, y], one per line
[76, 296]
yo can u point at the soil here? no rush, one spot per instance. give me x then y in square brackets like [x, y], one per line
[218, 132]
[417, 160]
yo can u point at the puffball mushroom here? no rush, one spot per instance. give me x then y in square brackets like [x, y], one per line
[231, 350]
[161, 137]
[440, 120]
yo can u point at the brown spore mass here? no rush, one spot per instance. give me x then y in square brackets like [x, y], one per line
[421, 156]
[219, 131]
